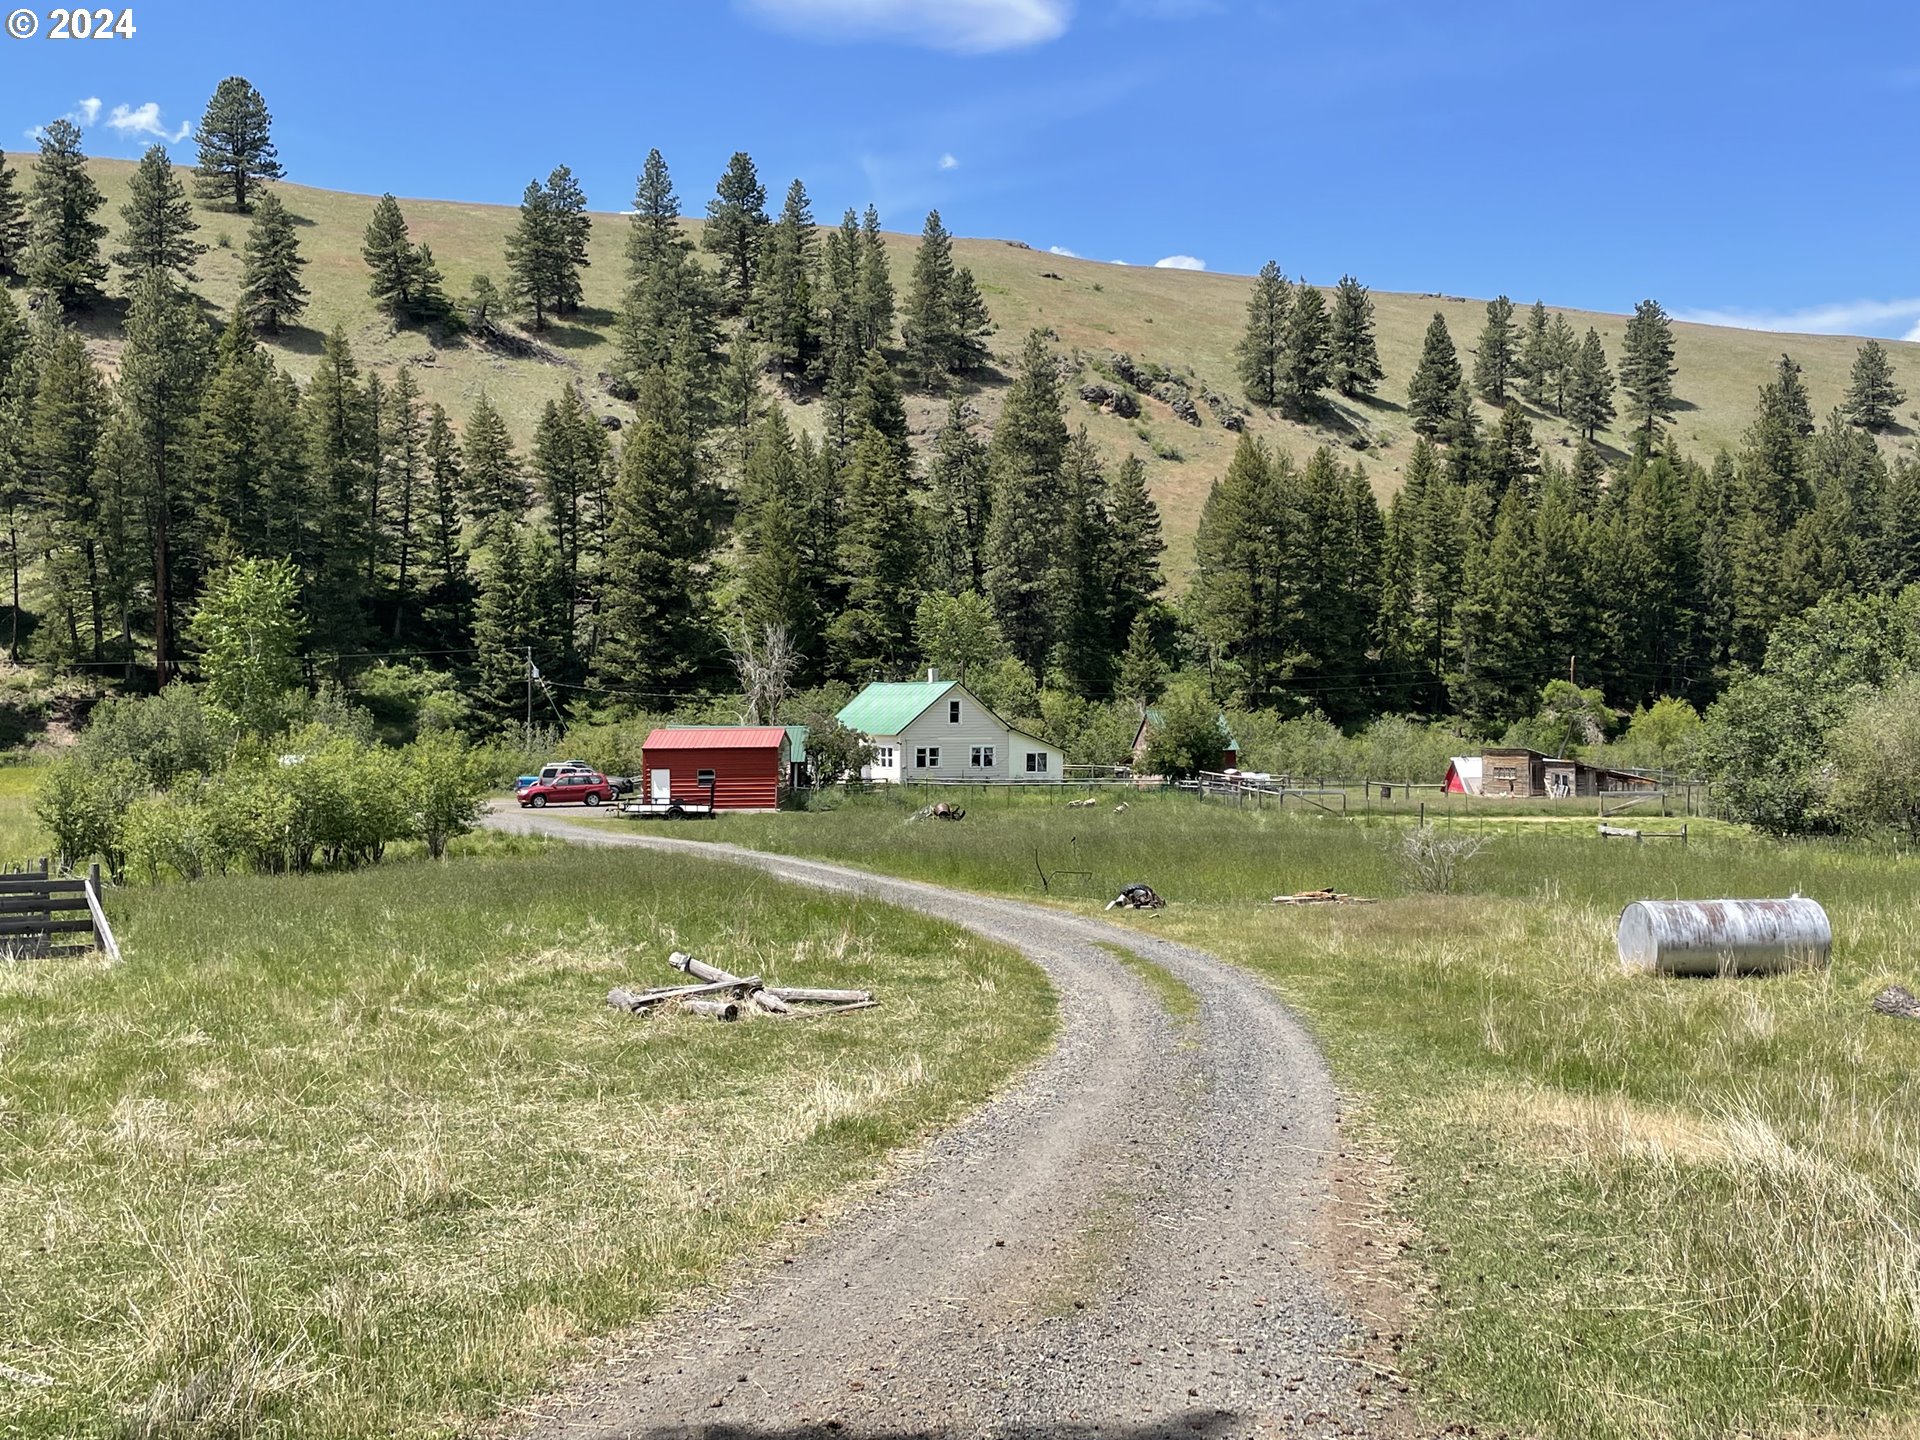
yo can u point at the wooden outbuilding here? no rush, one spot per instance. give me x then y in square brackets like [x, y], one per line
[737, 767]
[1528, 774]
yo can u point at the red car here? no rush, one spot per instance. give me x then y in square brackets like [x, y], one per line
[580, 788]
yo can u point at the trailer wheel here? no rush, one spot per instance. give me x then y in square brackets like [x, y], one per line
[539, 802]
[593, 799]
[674, 812]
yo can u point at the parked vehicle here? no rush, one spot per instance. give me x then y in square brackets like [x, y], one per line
[555, 769]
[574, 787]
[522, 781]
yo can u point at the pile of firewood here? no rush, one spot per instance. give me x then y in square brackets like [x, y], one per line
[716, 995]
[1328, 896]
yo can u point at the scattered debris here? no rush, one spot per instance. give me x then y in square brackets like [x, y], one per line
[1899, 1002]
[1327, 896]
[1122, 808]
[940, 811]
[1137, 897]
[720, 996]
[1086, 804]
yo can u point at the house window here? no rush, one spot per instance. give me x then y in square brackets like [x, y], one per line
[705, 777]
[1036, 764]
[883, 757]
[983, 757]
[953, 712]
[1504, 772]
[926, 757]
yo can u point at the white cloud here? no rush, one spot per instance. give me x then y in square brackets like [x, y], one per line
[969, 27]
[132, 120]
[1844, 317]
[1062, 250]
[948, 162]
[1180, 262]
[89, 111]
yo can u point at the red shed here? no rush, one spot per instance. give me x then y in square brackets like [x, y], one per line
[743, 767]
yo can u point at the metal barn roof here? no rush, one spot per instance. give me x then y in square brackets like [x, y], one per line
[718, 737]
[888, 707]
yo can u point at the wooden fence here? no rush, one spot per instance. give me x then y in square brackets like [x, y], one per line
[39, 911]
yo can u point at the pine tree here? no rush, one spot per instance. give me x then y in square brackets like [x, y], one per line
[448, 596]
[1137, 544]
[227, 475]
[495, 487]
[236, 145]
[1872, 394]
[880, 562]
[1240, 597]
[736, 228]
[1143, 674]
[1084, 582]
[1535, 361]
[16, 396]
[1263, 345]
[1354, 358]
[1563, 354]
[1027, 507]
[1589, 404]
[878, 405]
[271, 293]
[1513, 456]
[658, 626]
[873, 290]
[776, 589]
[785, 316]
[1433, 393]
[666, 319]
[1502, 659]
[972, 324]
[567, 206]
[533, 253]
[14, 225]
[1306, 370]
[503, 628]
[958, 501]
[339, 436]
[405, 282]
[1493, 362]
[571, 457]
[930, 324]
[406, 485]
[63, 244]
[1900, 527]
[1647, 368]
[67, 419]
[160, 223]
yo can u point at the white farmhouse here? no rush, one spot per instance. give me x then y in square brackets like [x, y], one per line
[937, 729]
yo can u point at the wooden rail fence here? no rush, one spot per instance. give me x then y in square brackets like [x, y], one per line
[39, 911]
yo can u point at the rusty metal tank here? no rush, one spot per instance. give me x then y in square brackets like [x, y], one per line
[1724, 937]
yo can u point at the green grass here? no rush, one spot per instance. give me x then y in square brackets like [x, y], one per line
[1183, 320]
[1644, 1207]
[367, 1155]
[22, 837]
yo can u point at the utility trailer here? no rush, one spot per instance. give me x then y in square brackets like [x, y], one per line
[664, 805]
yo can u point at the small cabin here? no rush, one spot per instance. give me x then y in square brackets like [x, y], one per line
[736, 767]
[1528, 774]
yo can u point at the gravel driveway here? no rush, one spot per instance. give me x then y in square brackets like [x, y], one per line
[1118, 1246]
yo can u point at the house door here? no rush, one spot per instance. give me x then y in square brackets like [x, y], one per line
[660, 786]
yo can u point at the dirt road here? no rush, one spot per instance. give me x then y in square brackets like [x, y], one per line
[1119, 1246]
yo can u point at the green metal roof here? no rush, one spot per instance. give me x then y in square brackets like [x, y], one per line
[887, 708]
[797, 744]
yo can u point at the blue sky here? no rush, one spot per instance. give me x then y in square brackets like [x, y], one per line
[1748, 162]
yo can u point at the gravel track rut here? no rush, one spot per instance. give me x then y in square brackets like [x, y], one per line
[1118, 1245]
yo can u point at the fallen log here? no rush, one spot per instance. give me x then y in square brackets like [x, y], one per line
[818, 1011]
[680, 961]
[769, 1002]
[739, 988]
[805, 995]
[717, 1009]
[1321, 897]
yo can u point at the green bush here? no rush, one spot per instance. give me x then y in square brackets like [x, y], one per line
[171, 833]
[445, 785]
[85, 805]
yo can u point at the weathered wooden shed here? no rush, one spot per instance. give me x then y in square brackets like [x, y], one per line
[740, 767]
[1528, 774]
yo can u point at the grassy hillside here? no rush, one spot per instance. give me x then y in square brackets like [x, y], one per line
[1185, 320]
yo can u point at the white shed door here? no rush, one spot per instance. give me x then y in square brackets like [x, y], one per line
[660, 787]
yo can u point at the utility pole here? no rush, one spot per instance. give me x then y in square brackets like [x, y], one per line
[529, 697]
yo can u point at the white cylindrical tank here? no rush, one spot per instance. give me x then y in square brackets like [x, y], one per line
[1724, 937]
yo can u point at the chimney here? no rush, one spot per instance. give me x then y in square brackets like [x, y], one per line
[933, 675]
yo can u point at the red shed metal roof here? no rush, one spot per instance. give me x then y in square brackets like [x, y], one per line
[719, 737]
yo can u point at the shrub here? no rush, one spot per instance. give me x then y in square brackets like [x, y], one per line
[163, 738]
[1434, 858]
[446, 785]
[1876, 763]
[250, 814]
[172, 832]
[84, 806]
